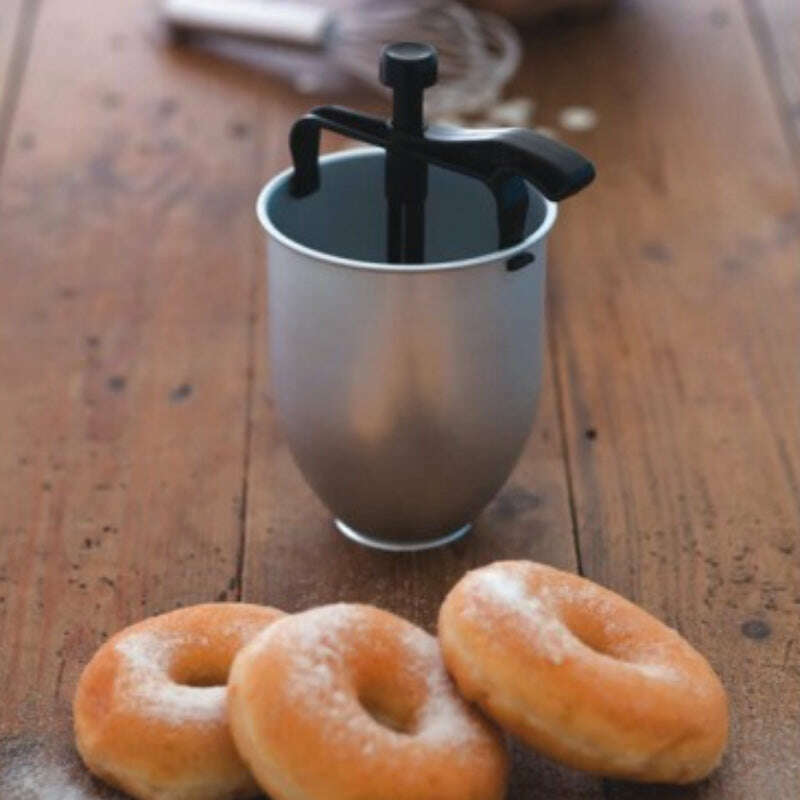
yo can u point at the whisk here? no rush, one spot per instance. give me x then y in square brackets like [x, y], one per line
[478, 51]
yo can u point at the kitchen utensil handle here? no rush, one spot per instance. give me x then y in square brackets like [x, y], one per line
[557, 170]
[305, 134]
[294, 23]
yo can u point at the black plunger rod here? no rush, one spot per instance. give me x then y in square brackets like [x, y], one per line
[409, 68]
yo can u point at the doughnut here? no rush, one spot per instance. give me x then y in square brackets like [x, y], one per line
[349, 702]
[583, 675]
[150, 707]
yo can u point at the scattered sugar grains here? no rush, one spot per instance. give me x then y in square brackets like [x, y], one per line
[146, 684]
[318, 681]
[443, 718]
[509, 595]
[32, 773]
[548, 634]
[514, 113]
[315, 645]
[577, 118]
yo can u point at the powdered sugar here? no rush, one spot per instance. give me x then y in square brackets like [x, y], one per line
[661, 672]
[500, 586]
[500, 592]
[443, 718]
[143, 682]
[322, 646]
[241, 627]
[36, 768]
[503, 592]
[317, 652]
[316, 644]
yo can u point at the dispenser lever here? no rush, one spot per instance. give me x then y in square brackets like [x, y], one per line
[555, 169]
[503, 158]
[305, 134]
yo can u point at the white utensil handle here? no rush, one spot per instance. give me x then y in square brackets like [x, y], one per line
[296, 23]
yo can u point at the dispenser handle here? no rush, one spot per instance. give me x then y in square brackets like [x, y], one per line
[554, 168]
[304, 140]
[503, 158]
[557, 170]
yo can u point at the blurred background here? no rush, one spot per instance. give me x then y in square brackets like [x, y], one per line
[141, 463]
[332, 49]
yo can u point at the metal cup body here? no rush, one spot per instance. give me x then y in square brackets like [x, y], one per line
[406, 392]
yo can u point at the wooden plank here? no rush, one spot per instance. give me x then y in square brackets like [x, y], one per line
[295, 558]
[676, 287]
[9, 30]
[776, 26]
[127, 262]
[682, 236]
[12, 46]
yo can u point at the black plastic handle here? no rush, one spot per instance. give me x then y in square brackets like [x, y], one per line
[555, 169]
[503, 158]
[305, 134]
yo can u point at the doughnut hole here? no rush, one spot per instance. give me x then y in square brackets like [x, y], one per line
[392, 696]
[389, 711]
[599, 635]
[201, 666]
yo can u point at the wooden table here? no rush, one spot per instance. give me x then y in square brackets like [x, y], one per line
[141, 464]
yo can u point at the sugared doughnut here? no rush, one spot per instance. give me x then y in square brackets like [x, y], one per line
[150, 707]
[582, 674]
[348, 702]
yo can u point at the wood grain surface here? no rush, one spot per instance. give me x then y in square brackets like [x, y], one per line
[776, 26]
[16, 24]
[676, 292]
[141, 463]
[127, 254]
[8, 33]
[9, 30]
